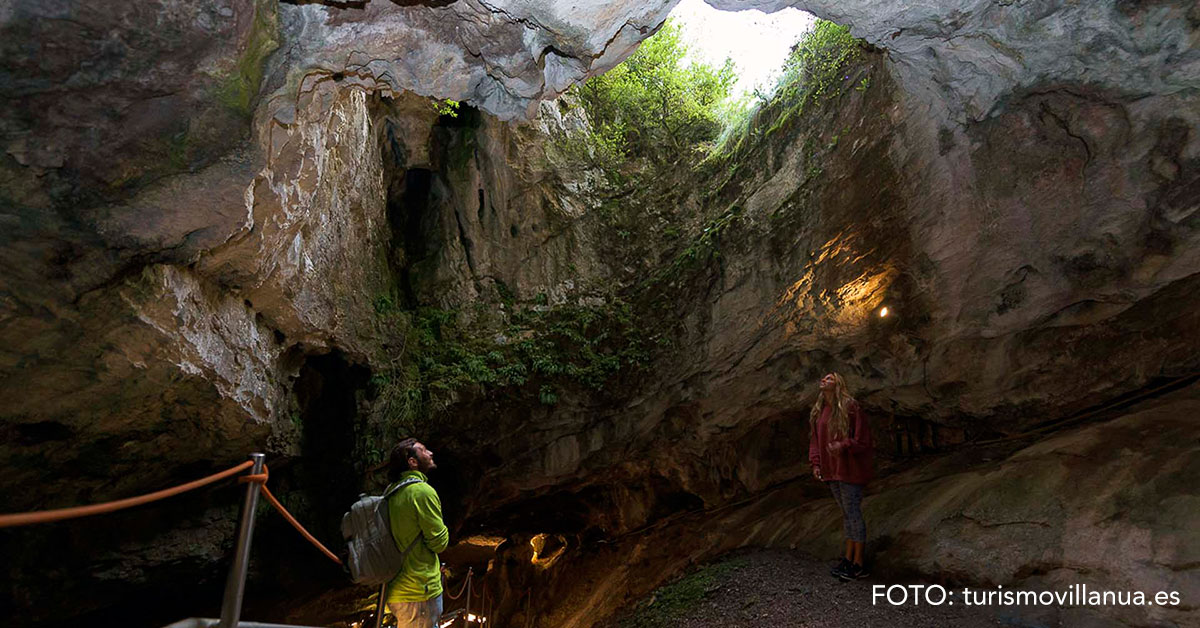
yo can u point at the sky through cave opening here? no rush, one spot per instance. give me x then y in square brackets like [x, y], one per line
[757, 42]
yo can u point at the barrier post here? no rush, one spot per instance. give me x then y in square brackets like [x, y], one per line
[467, 606]
[235, 586]
[379, 608]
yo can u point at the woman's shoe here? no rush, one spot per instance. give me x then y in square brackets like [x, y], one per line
[854, 572]
[837, 570]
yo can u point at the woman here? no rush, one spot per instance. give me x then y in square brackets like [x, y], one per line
[840, 451]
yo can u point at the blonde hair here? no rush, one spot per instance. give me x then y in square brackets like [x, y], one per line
[839, 422]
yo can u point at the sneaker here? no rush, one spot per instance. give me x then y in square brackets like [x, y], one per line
[837, 570]
[854, 572]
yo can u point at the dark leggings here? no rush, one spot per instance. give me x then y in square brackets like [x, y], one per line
[849, 499]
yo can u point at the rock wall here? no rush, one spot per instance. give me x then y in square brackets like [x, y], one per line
[1015, 298]
[1069, 509]
[501, 216]
[202, 205]
[1036, 262]
[182, 362]
[971, 56]
[159, 330]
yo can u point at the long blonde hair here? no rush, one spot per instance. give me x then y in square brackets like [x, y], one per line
[839, 422]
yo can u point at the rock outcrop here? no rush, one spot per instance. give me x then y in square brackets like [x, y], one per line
[1073, 508]
[1022, 286]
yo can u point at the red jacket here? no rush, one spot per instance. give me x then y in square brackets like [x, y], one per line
[853, 462]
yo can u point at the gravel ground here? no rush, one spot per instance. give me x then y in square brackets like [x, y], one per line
[781, 588]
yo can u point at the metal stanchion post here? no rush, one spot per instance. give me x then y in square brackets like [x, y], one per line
[467, 605]
[380, 606]
[235, 586]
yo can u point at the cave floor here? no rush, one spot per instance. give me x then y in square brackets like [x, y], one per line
[760, 587]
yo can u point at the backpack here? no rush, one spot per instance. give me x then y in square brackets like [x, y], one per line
[372, 556]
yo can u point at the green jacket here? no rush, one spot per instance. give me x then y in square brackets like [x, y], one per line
[413, 510]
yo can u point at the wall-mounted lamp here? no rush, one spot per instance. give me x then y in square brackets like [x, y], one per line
[883, 312]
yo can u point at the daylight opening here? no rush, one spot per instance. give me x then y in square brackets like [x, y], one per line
[757, 42]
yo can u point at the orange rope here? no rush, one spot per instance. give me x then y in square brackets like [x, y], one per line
[261, 480]
[463, 588]
[44, 516]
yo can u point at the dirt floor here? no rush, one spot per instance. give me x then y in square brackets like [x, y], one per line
[780, 588]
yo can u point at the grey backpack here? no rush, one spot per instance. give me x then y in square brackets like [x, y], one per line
[372, 556]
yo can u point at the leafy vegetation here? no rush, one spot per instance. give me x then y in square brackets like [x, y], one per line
[447, 107]
[815, 66]
[814, 69]
[647, 113]
[652, 105]
[704, 248]
[533, 346]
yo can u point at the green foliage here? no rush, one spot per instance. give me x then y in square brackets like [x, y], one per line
[446, 354]
[814, 70]
[704, 248]
[447, 108]
[384, 304]
[815, 66]
[652, 105]
[547, 396]
[738, 116]
[506, 294]
[671, 603]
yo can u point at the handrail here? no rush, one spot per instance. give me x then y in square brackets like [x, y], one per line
[204, 622]
[235, 585]
[453, 596]
[261, 480]
[45, 516]
[59, 514]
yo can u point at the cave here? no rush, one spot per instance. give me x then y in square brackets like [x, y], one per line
[311, 229]
[328, 391]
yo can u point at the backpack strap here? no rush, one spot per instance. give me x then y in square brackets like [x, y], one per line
[395, 489]
[388, 495]
[410, 547]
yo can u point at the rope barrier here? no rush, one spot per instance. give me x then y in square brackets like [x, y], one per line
[46, 516]
[261, 480]
[464, 587]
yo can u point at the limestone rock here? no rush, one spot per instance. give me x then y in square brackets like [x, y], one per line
[1042, 517]
[203, 204]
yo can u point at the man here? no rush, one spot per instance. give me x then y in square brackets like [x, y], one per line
[415, 594]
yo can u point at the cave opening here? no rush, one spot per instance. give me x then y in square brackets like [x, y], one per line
[327, 391]
[464, 116]
[317, 487]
